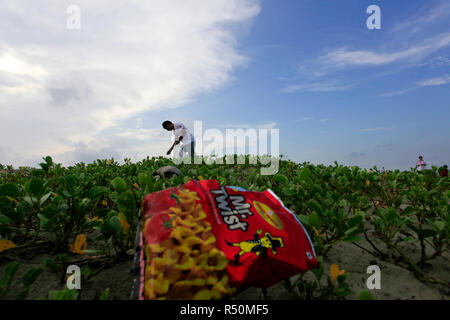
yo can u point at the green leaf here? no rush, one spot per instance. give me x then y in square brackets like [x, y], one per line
[71, 181]
[288, 192]
[114, 223]
[44, 198]
[119, 184]
[409, 210]
[318, 272]
[351, 239]
[354, 230]
[36, 186]
[313, 219]
[31, 276]
[10, 271]
[97, 192]
[392, 214]
[354, 221]
[280, 179]
[4, 220]
[51, 264]
[365, 295]
[43, 219]
[439, 225]
[86, 272]
[315, 206]
[49, 160]
[104, 295]
[9, 190]
[303, 219]
[64, 294]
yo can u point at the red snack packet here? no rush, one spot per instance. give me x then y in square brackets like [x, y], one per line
[203, 240]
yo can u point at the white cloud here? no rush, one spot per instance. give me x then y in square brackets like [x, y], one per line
[342, 58]
[128, 57]
[438, 81]
[378, 129]
[395, 93]
[423, 18]
[326, 86]
[245, 126]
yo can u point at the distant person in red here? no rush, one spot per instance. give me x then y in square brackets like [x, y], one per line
[421, 164]
[444, 172]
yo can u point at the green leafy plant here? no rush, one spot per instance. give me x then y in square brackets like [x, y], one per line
[8, 277]
[64, 294]
[28, 279]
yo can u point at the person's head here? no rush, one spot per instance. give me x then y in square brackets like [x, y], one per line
[168, 125]
[420, 158]
[445, 166]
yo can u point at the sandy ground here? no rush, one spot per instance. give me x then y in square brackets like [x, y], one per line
[397, 283]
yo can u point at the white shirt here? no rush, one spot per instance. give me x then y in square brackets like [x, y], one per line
[182, 131]
[421, 164]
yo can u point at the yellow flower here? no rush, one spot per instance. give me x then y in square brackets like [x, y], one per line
[335, 272]
[124, 223]
[95, 219]
[6, 244]
[79, 245]
[136, 186]
[104, 202]
[108, 162]
[200, 178]
[368, 182]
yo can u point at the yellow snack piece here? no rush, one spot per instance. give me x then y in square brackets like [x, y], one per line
[188, 207]
[181, 232]
[159, 263]
[202, 260]
[185, 223]
[170, 256]
[211, 280]
[172, 275]
[149, 291]
[157, 285]
[195, 283]
[220, 265]
[203, 294]
[193, 240]
[151, 271]
[216, 295]
[184, 248]
[186, 265]
[210, 240]
[156, 247]
[177, 271]
[198, 229]
[219, 287]
[201, 216]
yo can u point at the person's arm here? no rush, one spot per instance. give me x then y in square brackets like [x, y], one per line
[177, 141]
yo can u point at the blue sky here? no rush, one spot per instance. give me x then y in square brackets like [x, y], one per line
[336, 90]
[355, 114]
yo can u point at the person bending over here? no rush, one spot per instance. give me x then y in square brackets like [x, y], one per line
[183, 136]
